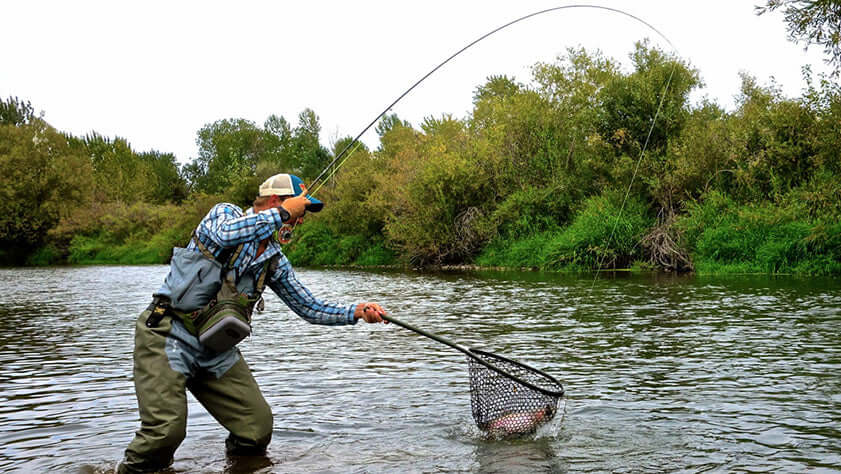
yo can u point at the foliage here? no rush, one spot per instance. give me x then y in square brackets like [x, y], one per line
[434, 195]
[315, 244]
[525, 252]
[121, 174]
[15, 112]
[604, 234]
[812, 22]
[121, 233]
[43, 179]
[547, 173]
[231, 151]
[759, 238]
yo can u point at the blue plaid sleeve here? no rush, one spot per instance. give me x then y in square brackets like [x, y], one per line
[227, 226]
[303, 303]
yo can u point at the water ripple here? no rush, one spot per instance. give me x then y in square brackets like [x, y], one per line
[662, 374]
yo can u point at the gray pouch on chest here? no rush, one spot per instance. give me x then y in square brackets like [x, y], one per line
[193, 280]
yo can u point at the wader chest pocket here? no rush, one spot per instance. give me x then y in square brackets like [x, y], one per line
[193, 279]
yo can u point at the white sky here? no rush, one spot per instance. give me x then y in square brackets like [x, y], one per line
[155, 72]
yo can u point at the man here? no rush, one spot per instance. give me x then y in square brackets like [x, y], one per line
[169, 356]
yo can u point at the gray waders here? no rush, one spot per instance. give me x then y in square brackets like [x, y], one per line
[168, 360]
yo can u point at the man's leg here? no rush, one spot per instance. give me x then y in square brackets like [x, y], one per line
[161, 398]
[236, 402]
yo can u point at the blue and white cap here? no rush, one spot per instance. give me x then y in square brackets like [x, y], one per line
[288, 185]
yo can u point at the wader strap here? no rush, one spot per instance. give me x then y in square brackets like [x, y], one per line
[269, 267]
[160, 308]
[223, 258]
[158, 313]
[261, 282]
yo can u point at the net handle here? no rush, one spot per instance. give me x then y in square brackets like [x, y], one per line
[430, 335]
[470, 353]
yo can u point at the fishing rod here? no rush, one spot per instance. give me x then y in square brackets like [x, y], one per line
[316, 184]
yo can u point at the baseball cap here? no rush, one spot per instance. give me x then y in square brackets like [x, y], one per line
[284, 184]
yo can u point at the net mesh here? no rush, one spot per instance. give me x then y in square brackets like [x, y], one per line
[504, 406]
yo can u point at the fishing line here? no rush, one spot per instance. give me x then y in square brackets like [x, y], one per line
[469, 45]
[317, 183]
[600, 261]
[333, 173]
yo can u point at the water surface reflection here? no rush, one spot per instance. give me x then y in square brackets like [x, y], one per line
[661, 373]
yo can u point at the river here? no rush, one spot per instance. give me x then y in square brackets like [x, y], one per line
[661, 373]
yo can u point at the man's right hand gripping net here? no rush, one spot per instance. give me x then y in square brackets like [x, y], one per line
[509, 398]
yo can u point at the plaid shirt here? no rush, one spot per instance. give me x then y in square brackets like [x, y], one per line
[227, 226]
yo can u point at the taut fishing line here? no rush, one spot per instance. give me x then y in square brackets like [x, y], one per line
[465, 48]
[507, 397]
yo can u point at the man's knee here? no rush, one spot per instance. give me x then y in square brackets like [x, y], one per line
[252, 437]
[263, 423]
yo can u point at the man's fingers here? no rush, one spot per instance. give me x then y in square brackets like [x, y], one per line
[373, 313]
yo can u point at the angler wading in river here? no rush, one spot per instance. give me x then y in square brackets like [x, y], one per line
[186, 339]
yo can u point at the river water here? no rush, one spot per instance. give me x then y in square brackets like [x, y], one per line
[661, 373]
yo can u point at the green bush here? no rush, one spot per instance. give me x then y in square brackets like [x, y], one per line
[46, 255]
[602, 235]
[726, 237]
[315, 244]
[527, 251]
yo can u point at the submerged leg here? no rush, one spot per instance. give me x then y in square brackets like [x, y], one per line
[161, 398]
[235, 401]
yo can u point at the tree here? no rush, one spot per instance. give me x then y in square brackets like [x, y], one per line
[119, 173]
[43, 178]
[388, 122]
[167, 183]
[14, 111]
[496, 86]
[227, 148]
[310, 157]
[277, 142]
[812, 22]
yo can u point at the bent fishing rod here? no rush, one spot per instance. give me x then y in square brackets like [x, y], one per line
[317, 183]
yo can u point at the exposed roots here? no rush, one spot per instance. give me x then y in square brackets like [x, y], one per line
[662, 250]
[469, 238]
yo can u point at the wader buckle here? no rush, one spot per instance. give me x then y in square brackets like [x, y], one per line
[159, 310]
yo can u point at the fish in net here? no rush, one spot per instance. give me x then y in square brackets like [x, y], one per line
[509, 398]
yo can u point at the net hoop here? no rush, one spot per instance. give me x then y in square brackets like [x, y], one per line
[475, 353]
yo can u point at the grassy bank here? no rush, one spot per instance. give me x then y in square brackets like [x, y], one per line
[719, 235]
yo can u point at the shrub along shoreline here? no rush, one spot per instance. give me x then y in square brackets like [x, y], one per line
[726, 238]
[564, 173]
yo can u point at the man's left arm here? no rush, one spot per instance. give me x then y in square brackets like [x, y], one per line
[302, 302]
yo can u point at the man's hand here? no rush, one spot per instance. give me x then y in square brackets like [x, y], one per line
[296, 206]
[370, 312]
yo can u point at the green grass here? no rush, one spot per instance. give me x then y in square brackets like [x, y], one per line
[600, 235]
[315, 244]
[726, 237]
[85, 250]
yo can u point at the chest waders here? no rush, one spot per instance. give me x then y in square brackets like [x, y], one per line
[225, 320]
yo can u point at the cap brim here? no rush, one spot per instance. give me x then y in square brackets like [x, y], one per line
[315, 205]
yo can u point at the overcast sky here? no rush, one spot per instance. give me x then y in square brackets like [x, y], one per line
[155, 72]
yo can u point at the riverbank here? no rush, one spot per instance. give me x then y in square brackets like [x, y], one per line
[578, 181]
[716, 237]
